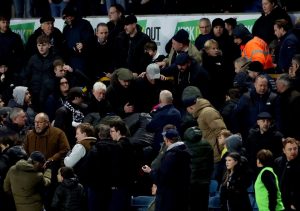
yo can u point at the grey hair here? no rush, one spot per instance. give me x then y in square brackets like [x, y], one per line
[99, 85]
[205, 19]
[103, 131]
[284, 79]
[15, 112]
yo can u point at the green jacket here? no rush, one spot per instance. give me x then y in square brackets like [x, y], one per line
[202, 156]
[25, 183]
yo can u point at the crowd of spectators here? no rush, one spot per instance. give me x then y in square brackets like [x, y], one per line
[38, 8]
[90, 119]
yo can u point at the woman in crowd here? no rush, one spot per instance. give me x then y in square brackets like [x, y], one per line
[234, 195]
[57, 98]
[264, 25]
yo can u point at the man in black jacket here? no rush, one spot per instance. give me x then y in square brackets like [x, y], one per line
[173, 176]
[287, 167]
[12, 50]
[130, 45]
[263, 136]
[39, 69]
[47, 28]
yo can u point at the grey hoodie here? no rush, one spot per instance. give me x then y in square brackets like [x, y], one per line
[19, 94]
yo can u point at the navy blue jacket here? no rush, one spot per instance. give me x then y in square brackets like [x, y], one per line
[173, 179]
[250, 105]
[289, 46]
[167, 114]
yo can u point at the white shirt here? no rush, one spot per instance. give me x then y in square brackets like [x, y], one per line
[77, 153]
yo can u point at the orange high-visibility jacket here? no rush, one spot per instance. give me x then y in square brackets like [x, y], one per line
[258, 50]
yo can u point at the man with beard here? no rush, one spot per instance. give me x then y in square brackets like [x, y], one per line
[51, 141]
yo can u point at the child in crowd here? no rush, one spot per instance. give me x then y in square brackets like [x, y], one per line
[151, 49]
[219, 166]
[69, 195]
[221, 140]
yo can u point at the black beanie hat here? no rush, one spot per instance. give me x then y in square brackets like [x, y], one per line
[182, 36]
[46, 19]
[218, 22]
[70, 11]
[255, 66]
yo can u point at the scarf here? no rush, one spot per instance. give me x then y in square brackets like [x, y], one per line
[76, 114]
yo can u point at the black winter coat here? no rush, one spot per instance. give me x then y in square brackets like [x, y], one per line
[12, 50]
[271, 140]
[263, 26]
[234, 195]
[130, 50]
[288, 173]
[118, 96]
[202, 158]
[69, 195]
[38, 69]
[56, 40]
[103, 155]
[173, 179]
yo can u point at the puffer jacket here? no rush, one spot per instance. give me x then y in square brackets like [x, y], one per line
[25, 183]
[69, 195]
[210, 123]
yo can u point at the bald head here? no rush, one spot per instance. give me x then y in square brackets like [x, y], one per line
[165, 97]
[41, 122]
[42, 116]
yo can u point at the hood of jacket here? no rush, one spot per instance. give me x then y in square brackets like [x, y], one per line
[19, 94]
[70, 183]
[200, 104]
[24, 165]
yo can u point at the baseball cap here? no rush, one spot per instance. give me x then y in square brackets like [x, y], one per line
[38, 157]
[153, 71]
[182, 59]
[170, 134]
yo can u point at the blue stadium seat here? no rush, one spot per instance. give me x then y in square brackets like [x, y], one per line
[213, 187]
[252, 198]
[141, 203]
[214, 203]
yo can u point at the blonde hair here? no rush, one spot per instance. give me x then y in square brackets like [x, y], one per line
[209, 43]
[226, 133]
